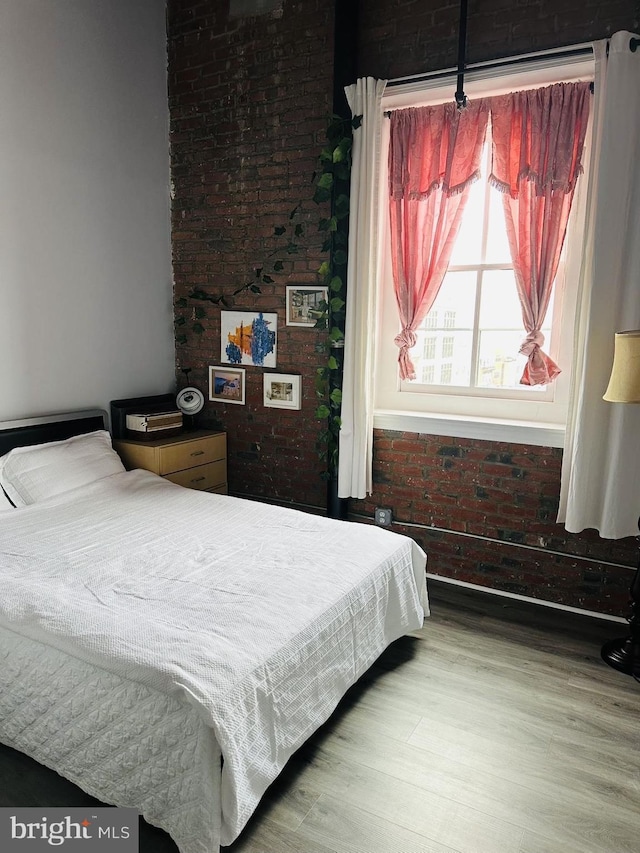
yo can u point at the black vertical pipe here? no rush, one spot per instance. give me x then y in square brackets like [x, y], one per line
[345, 69]
[461, 98]
[345, 53]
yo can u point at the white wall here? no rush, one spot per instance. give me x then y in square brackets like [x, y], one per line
[85, 259]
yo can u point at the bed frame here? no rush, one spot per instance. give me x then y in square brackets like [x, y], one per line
[27, 431]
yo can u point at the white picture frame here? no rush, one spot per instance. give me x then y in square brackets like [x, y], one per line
[302, 304]
[282, 391]
[248, 337]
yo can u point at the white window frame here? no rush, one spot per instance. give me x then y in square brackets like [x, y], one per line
[551, 345]
[527, 419]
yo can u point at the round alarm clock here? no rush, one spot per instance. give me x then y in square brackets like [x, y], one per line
[190, 401]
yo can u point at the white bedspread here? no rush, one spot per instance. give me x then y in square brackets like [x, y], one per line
[121, 741]
[259, 617]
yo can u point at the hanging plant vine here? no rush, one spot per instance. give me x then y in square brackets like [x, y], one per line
[190, 310]
[332, 185]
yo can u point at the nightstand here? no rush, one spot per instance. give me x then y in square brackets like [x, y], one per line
[197, 460]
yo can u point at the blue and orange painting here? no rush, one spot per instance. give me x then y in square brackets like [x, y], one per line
[249, 338]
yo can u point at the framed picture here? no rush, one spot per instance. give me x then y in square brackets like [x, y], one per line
[303, 304]
[248, 337]
[227, 384]
[283, 390]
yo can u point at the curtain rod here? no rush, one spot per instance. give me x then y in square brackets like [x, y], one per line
[568, 53]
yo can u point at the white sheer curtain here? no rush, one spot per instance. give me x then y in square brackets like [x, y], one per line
[601, 465]
[356, 433]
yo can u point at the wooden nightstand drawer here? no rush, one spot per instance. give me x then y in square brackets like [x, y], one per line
[197, 460]
[210, 476]
[186, 454]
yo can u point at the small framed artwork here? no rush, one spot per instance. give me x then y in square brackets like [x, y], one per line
[248, 337]
[304, 304]
[227, 384]
[283, 390]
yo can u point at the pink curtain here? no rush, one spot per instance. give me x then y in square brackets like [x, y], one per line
[538, 139]
[434, 156]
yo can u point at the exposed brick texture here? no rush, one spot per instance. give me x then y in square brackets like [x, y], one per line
[428, 32]
[249, 101]
[460, 499]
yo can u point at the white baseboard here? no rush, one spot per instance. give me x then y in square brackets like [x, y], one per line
[527, 598]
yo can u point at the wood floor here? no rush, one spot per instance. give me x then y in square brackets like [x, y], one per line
[494, 729]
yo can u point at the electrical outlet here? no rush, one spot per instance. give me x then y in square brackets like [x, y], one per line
[383, 516]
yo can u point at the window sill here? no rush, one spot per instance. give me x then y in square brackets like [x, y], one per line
[458, 426]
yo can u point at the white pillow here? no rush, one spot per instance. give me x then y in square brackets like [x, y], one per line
[35, 473]
[5, 503]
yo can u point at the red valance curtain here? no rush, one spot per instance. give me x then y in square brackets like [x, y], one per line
[434, 156]
[538, 139]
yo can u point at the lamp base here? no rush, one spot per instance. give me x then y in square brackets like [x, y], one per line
[623, 654]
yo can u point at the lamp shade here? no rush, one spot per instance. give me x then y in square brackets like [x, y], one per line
[624, 383]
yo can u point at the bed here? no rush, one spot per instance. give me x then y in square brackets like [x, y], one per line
[167, 649]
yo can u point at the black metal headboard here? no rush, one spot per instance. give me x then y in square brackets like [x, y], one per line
[49, 428]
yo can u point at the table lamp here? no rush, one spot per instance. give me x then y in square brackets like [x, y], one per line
[623, 654]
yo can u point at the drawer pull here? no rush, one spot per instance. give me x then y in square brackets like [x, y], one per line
[197, 452]
[198, 479]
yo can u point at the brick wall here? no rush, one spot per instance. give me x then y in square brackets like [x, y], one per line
[485, 513]
[428, 32]
[249, 99]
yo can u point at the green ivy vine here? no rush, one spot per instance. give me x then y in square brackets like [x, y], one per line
[190, 310]
[332, 185]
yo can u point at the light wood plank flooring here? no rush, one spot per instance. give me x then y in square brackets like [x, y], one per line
[494, 729]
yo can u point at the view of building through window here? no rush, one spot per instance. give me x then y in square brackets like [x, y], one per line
[472, 335]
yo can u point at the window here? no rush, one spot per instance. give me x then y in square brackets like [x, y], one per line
[447, 347]
[429, 349]
[467, 357]
[445, 374]
[478, 301]
[428, 373]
